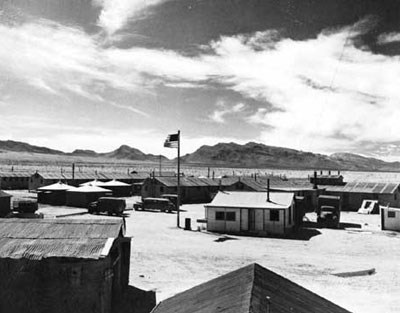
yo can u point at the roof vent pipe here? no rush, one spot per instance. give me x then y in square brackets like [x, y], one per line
[268, 190]
[268, 302]
[315, 180]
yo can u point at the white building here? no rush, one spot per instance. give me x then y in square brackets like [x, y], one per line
[390, 218]
[259, 213]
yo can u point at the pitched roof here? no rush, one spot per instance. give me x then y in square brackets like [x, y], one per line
[89, 188]
[114, 183]
[4, 194]
[57, 186]
[365, 187]
[44, 238]
[245, 291]
[246, 199]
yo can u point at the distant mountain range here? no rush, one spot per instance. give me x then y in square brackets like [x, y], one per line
[124, 152]
[252, 155]
[258, 155]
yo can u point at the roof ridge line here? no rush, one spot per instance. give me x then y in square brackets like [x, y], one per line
[252, 288]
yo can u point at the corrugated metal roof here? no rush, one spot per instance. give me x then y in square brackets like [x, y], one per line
[365, 187]
[45, 238]
[244, 199]
[15, 174]
[60, 228]
[188, 181]
[245, 291]
[37, 249]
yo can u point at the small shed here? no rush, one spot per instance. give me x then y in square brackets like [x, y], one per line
[390, 218]
[61, 265]
[259, 213]
[251, 289]
[5, 203]
[82, 196]
[55, 194]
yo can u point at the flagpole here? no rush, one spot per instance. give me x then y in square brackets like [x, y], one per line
[178, 203]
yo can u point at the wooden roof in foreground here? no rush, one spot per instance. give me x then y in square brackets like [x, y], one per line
[245, 291]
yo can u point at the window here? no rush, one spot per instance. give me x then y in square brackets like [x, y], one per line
[230, 216]
[391, 214]
[274, 215]
[220, 216]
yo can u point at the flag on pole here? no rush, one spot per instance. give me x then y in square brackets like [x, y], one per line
[172, 141]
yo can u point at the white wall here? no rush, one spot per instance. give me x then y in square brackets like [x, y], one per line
[263, 224]
[391, 223]
[222, 225]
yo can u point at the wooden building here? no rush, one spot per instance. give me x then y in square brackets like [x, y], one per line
[5, 203]
[14, 180]
[54, 194]
[41, 179]
[193, 189]
[354, 193]
[300, 187]
[82, 196]
[254, 213]
[251, 289]
[63, 266]
[327, 179]
[390, 218]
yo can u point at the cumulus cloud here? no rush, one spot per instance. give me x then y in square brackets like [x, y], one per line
[116, 13]
[321, 94]
[224, 110]
[388, 38]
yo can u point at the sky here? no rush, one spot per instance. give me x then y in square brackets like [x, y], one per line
[313, 75]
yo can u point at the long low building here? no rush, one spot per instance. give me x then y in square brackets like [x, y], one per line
[354, 193]
[17, 180]
[258, 213]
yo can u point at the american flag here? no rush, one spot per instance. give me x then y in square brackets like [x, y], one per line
[172, 141]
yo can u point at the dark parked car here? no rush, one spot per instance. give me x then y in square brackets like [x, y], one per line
[328, 212]
[159, 204]
[107, 204]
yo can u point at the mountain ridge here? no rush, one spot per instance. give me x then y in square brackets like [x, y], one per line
[249, 155]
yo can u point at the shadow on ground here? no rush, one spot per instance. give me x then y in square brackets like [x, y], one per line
[311, 224]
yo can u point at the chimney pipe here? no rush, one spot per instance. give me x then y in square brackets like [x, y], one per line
[268, 301]
[338, 172]
[208, 172]
[213, 175]
[268, 190]
[73, 171]
[255, 177]
[329, 172]
[321, 172]
[315, 180]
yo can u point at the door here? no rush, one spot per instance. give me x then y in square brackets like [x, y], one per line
[252, 219]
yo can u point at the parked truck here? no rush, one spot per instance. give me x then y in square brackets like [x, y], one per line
[328, 211]
[109, 205]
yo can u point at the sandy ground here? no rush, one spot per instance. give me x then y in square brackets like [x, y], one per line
[170, 260]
